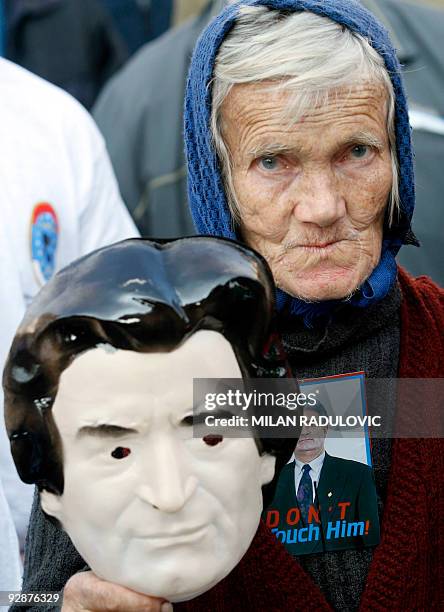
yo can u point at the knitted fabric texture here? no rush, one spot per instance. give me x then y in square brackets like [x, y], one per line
[205, 186]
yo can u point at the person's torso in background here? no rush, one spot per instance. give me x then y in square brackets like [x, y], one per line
[73, 44]
[145, 99]
[417, 31]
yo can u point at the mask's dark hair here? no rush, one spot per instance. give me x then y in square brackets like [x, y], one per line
[139, 295]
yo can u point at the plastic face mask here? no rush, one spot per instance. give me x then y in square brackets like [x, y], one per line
[147, 505]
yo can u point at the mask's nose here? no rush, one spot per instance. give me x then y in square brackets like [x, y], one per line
[167, 484]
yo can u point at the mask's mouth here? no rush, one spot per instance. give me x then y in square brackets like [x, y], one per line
[189, 533]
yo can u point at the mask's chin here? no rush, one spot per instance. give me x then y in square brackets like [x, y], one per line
[172, 589]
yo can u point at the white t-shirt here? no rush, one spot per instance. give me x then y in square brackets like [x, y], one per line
[58, 201]
[10, 565]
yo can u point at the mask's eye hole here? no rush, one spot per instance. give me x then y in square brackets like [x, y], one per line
[120, 452]
[212, 440]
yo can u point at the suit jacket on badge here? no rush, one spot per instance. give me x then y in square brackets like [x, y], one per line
[341, 480]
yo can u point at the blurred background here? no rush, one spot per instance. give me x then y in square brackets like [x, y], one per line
[79, 44]
[126, 61]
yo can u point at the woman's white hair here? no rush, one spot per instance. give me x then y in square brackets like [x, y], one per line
[305, 54]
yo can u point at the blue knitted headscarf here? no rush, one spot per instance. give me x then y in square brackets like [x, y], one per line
[205, 185]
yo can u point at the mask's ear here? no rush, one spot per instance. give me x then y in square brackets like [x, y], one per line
[51, 504]
[268, 468]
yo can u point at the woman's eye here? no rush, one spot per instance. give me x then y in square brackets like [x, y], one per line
[212, 440]
[359, 151]
[120, 452]
[269, 162]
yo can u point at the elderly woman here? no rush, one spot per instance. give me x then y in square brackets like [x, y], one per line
[306, 119]
[298, 143]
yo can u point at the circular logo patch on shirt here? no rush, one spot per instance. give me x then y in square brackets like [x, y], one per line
[44, 239]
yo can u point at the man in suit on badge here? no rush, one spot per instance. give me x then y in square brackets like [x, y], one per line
[323, 503]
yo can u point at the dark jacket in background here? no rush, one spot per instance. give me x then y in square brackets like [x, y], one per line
[71, 43]
[417, 32]
[140, 21]
[2, 28]
[140, 115]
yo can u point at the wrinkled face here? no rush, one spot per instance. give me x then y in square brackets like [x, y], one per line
[146, 504]
[311, 194]
[312, 438]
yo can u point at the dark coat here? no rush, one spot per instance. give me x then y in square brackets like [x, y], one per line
[146, 100]
[139, 22]
[341, 481]
[72, 44]
[416, 31]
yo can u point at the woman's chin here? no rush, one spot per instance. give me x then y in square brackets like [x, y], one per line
[320, 284]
